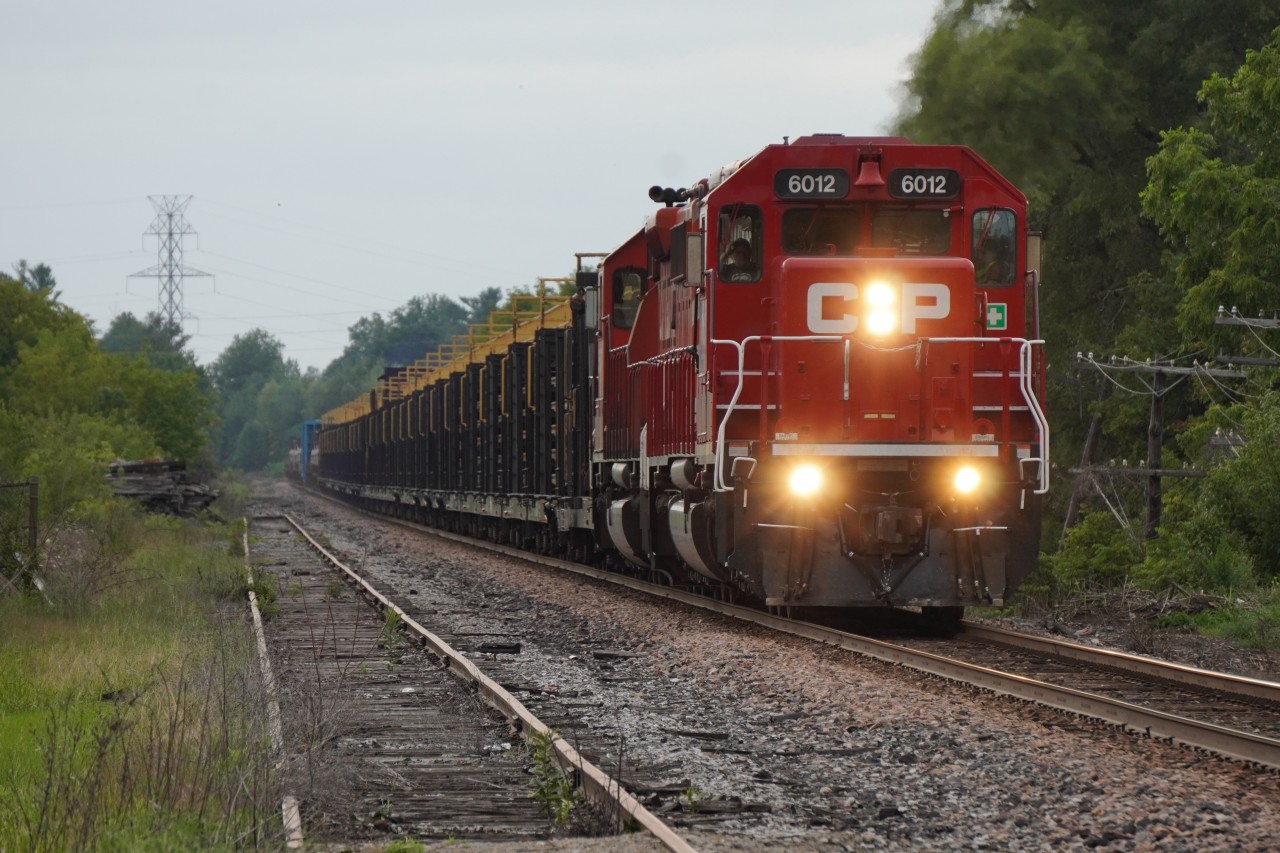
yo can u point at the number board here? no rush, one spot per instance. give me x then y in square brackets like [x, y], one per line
[811, 183]
[924, 183]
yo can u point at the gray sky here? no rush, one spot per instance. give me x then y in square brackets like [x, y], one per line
[345, 157]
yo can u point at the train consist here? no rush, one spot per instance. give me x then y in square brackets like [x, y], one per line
[811, 380]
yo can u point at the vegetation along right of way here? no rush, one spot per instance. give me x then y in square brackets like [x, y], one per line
[1146, 137]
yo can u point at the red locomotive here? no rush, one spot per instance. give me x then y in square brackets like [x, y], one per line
[810, 380]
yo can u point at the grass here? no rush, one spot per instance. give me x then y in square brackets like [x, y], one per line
[129, 706]
[1253, 623]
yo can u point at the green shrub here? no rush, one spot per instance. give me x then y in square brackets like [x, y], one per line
[1095, 553]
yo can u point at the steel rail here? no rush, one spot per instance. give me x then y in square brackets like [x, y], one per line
[599, 787]
[1188, 676]
[290, 814]
[1157, 725]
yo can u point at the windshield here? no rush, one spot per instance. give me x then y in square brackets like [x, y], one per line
[843, 231]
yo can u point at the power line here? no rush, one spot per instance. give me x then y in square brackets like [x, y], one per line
[1156, 389]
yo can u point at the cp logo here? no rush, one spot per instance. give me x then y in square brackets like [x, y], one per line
[829, 308]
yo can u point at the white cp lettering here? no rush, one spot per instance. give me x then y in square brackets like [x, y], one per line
[917, 301]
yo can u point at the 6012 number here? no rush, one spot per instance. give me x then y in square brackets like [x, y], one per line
[811, 183]
[924, 183]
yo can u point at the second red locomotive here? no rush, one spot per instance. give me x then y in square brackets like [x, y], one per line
[812, 379]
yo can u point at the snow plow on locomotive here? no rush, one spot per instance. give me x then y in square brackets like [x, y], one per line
[811, 380]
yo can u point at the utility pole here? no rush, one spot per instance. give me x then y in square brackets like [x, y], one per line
[169, 227]
[1157, 389]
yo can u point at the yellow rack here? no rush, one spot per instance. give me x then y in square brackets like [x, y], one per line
[516, 324]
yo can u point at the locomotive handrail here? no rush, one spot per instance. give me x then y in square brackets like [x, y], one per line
[741, 346]
[1025, 368]
[1024, 385]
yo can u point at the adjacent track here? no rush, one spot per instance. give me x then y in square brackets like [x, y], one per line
[431, 762]
[1230, 716]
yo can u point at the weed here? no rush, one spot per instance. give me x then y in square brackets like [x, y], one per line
[268, 595]
[406, 845]
[294, 589]
[692, 799]
[1140, 635]
[392, 625]
[553, 790]
[334, 589]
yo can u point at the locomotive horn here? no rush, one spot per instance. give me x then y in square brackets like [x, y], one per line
[667, 195]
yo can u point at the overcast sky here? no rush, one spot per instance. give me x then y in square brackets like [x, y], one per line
[344, 157]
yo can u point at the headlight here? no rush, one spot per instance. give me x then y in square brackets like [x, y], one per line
[967, 479]
[882, 308]
[804, 480]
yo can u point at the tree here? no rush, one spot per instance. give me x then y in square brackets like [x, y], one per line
[37, 279]
[24, 313]
[161, 341]
[249, 363]
[67, 408]
[420, 326]
[480, 306]
[64, 373]
[1215, 194]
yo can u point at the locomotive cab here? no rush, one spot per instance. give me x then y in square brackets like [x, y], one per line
[849, 414]
[886, 381]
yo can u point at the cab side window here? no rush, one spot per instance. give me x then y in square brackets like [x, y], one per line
[628, 287]
[993, 247]
[740, 244]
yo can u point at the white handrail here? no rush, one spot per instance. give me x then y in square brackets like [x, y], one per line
[741, 347]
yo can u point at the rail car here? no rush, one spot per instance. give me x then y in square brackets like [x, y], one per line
[812, 379]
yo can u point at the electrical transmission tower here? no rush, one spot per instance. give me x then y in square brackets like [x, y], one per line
[169, 227]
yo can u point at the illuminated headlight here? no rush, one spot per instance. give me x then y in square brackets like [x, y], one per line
[804, 480]
[882, 308]
[967, 480]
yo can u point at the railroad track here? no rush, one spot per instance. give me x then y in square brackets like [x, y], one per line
[384, 739]
[1225, 715]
